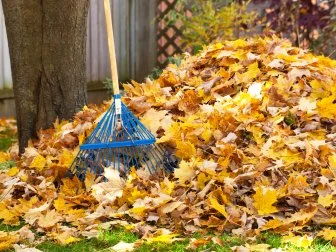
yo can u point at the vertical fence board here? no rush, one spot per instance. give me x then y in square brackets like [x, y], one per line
[122, 29]
[97, 50]
[143, 38]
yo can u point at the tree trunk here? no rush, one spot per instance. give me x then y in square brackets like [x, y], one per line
[47, 44]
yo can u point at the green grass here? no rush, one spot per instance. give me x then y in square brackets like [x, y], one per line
[84, 245]
[7, 165]
[104, 241]
[5, 143]
[274, 240]
[7, 138]
[323, 246]
[8, 228]
[108, 239]
[318, 245]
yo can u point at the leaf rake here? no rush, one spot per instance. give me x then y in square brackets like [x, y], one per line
[120, 141]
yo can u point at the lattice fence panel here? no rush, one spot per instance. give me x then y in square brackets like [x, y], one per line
[168, 36]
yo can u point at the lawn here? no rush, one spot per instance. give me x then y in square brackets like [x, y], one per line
[108, 239]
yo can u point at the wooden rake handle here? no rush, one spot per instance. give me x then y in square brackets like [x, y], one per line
[110, 40]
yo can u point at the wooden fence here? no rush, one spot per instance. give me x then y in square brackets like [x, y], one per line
[134, 28]
[135, 39]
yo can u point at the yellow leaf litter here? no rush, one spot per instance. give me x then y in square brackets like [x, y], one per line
[254, 126]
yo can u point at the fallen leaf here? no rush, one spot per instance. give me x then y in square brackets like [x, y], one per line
[49, 219]
[264, 199]
[298, 241]
[123, 246]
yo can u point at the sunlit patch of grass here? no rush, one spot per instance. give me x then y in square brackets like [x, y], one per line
[83, 245]
[8, 228]
[109, 238]
[105, 240]
[318, 245]
[116, 235]
[274, 240]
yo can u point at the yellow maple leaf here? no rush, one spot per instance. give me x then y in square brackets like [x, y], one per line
[13, 171]
[62, 205]
[298, 241]
[235, 68]
[202, 179]
[25, 205]
[58, 125]
[272, 224]
[319, 89]
[167, 186]
[262, 247]
[138, 211]
[89, 180]
[326, 107]
[327, 234]
[238, 43]
[216, 46]
[7, 240]
[326, 201]
[136, 194]
[185, 149]
[81, 138]
[206, 134]
[38, 162]
[24, 178]
[185, 172]
[4, 157]
[64, 238]
[303, 216]
[252, 72]
[165, 238]
[332, 161]
[297, 185]
[71, 187]
[9, 217]
[66, 158]
[216, 205]
[71, 239]
[49, 219]
[264, 198]
[76, 213]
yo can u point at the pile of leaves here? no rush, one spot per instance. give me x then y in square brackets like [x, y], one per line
[253, 122]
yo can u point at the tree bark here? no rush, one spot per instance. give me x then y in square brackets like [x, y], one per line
[47, 45]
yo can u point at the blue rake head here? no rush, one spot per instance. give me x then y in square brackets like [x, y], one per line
[121, 141]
